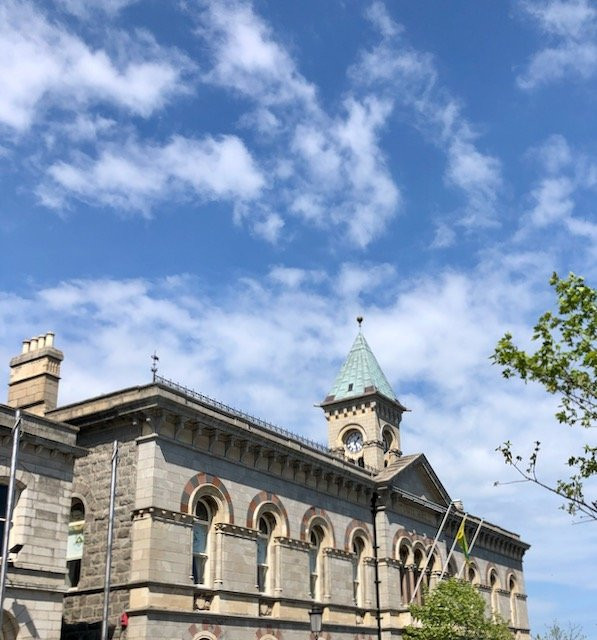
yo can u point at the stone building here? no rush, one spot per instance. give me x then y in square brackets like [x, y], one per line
[35, 586]
[230, 528]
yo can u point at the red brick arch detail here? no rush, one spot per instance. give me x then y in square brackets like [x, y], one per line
[269, 631]
[199, 480]
[352, 525]
[413, 537]
[401, 533]
[197, 628]
[311, 513]
[260, 498]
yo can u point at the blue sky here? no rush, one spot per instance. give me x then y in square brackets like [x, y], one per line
[231, 184]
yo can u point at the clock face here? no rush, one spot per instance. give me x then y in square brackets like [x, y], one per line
[354, 441]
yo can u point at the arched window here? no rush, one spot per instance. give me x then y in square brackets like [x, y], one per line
[205, 510]
[493, 585]
[472, 575]
[358, 571]
[76, 541]
[404, 554]
[267, 524]
[387, 440]
[513, 609]
[419, 563]
[316, 538]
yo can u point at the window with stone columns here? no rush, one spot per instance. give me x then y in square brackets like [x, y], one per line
[358, 571]
[76, 541]
[405, 572]
[513, 587]
[418, 564]
[205, 511]
[265, 552]
[472, 575]
[493, 586]
[317, 537]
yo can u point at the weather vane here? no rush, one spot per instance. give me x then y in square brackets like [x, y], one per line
[154, 366]
[360, 321]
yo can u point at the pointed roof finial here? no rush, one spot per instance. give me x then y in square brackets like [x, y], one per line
[359, 321]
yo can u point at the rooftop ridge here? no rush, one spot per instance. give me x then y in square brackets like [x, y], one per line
[264, 424]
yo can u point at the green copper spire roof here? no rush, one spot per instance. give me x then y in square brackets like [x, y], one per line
[360, 374]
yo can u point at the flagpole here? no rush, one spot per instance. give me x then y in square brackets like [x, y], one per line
[472, 544]
[109, 543]
[430, 554]
[451, 552]
[16, 435]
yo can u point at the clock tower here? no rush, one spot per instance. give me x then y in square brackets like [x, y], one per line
[362, 410]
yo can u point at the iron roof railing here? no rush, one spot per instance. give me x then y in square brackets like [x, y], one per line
[268, 426]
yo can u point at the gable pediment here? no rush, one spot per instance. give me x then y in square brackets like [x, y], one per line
[414, 475]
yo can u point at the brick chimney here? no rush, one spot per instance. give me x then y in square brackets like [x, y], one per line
[34, 376]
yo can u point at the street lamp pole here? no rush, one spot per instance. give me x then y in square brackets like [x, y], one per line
[315, 616]
[16, 435]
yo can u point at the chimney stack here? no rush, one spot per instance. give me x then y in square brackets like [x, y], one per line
[34, 375]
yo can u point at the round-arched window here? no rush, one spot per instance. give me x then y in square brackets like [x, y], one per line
[387, 440]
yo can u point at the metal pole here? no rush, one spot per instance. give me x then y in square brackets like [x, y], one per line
[16, 434]
[109, 543]
[374, 498]
[472, 544]
[430, 554]
[450, 554]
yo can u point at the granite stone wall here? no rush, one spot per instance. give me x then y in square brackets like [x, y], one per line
[92, 486]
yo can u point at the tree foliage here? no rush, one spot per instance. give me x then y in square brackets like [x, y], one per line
[454, 610]
[556, 632]
[565, 363]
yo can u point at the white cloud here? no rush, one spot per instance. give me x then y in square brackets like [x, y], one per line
[557, 197]
[478, 175]
[269, 226]
[293, 277]
[44, 64]
[569, 18]
[572, 28]
[353, 280]
[87, 127]
[338, 176]
[345, 179]
[248, 59]
[135, 176]
[555, 153]
[410, 78]
[88, 8]
[553, 201]
[444, 236]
